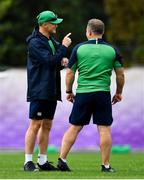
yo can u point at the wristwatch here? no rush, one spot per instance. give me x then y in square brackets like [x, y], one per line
[69, 92]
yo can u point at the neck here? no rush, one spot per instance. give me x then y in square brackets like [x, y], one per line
[43, 32]
[95, 37]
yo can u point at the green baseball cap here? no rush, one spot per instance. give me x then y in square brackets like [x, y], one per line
[48, 16]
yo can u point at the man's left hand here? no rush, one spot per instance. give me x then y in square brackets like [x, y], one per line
[116, 98]
[64, 62]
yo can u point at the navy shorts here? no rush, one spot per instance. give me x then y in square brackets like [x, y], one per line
[96, 104]
[42, 109]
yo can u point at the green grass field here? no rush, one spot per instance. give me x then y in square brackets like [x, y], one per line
[83, 165]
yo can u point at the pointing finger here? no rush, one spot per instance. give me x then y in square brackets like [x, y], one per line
[68, 35]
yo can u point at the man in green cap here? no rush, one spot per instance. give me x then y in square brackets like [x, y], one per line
[45, 59]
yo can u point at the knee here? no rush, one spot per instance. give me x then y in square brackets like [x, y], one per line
[75, 129]
[46, 125]
[35, 126]
[105, 140]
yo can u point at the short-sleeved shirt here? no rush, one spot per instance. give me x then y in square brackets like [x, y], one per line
[94, 59]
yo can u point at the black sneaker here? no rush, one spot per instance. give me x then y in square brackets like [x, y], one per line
[30, 166]
[47, 167]
[62, 166]
[104, 169]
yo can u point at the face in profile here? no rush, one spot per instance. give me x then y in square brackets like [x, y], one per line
[50, 28]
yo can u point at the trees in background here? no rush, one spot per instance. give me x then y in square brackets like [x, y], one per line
[16, 23]
[126, 28]
[18, 20]
[123, 19]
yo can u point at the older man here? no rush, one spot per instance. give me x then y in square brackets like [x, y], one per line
[95, 59]
[45, 60]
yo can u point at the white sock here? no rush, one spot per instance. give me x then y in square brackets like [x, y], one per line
[28, 157]
[42, 158]
[106, 166]
[64, 160]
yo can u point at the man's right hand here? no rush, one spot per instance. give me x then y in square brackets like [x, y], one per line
[70, 97]
[67, 40]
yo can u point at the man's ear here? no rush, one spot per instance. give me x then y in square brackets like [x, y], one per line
[87, 33]
[90, 32]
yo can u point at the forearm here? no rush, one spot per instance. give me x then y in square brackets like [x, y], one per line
[69, 80]
[120, 83]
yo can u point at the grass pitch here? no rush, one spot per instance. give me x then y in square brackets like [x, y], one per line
[83, 165]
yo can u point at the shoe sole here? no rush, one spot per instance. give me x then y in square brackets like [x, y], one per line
[36, 170]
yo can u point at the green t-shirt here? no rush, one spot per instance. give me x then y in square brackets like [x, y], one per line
[94, 60]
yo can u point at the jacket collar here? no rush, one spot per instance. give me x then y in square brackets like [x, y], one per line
[35, 34]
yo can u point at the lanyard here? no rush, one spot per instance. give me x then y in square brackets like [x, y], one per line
[52, 46]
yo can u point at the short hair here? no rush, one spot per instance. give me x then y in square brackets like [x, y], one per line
[96, 26]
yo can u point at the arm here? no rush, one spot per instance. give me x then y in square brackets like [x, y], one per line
[70, 75]
[43, 56]
[119, 85]
[66, 42]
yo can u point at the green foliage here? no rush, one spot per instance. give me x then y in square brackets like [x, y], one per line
[18, 21]
[123, 19]
[126, 27]
[4, 7]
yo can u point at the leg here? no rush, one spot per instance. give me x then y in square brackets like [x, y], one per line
[67, 142]
[69, 139]
[43, 135]
[30, 136]
[105, 143]
[43, 139]
[30, 139]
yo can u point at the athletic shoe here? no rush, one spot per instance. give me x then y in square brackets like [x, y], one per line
[62, 166]
[47, 167]
[30, 166]
[104, 169]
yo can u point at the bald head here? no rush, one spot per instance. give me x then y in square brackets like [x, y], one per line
[96, 26]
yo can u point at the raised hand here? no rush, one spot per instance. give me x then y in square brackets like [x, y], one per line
[67, 40]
